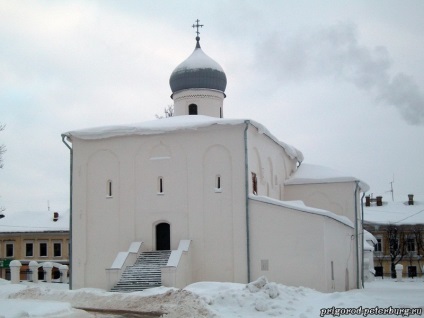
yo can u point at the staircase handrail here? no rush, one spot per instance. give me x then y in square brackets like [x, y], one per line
[177, 272]
[122, 260]
[175, 257]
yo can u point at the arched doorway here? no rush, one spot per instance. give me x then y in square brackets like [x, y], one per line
[163, 237]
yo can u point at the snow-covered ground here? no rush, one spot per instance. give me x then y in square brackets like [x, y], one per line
[211, 299]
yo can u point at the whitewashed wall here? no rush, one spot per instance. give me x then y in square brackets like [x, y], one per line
[213, 219]
[209, 102]
[299, 248]
[337, 197]
[188, 162]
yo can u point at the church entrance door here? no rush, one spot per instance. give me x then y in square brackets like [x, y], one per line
[163, 237]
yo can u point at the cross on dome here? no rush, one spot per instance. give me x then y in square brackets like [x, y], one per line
[197, 25]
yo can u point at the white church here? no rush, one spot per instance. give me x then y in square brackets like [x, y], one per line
[217, 199]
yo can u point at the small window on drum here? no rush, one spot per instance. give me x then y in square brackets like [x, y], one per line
[192, 109]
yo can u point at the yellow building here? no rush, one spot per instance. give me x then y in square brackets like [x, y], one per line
[399, 230]
[34, 236]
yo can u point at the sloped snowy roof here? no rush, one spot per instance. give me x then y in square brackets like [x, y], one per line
[395, 213]
[301, 207]
[175, 123]
[34, 221]
[309, 173]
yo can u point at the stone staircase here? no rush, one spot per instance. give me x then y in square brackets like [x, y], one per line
[145, 273]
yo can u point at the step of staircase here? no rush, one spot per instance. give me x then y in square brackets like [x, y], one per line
[145, 273]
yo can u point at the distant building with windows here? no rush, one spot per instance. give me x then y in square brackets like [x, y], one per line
[398, 228]
[34, 236]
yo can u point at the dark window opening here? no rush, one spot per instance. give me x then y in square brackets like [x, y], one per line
[412, 271]
[192, 109]
[9, 250]
[377, 247]
[163, 237]
[220, 112]
[43, 249]
[378, 271]
[254, 183]
[410, 244]
[29, 250]
[57, 249]
[218, 182]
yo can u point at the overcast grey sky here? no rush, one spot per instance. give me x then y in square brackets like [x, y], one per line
[342, 81]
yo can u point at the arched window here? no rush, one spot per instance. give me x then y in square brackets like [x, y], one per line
[192, 109]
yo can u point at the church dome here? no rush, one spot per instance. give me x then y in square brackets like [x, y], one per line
[198, 71]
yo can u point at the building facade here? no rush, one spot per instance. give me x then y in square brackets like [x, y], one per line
[399, 230]
[242, 198]
[34, 236]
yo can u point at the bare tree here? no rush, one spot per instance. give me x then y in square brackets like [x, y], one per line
[397, 245]
[418, 233]
[168, 110]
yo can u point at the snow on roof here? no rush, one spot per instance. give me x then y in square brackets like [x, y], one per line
[199, 59]
[395, 213]
[301, 207]
[309, 173]
[175, 123]
[34, 221]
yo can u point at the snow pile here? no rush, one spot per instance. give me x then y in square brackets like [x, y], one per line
[207, 299]
[158, 301]
[264, 299]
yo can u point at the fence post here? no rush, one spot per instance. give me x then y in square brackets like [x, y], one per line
[15, 271]
[399, 269]
[33, 266]
[48, 266]
[63, 273]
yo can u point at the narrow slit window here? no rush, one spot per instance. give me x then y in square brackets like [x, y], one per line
[160, 185]
[218, 183]
[109, 188]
